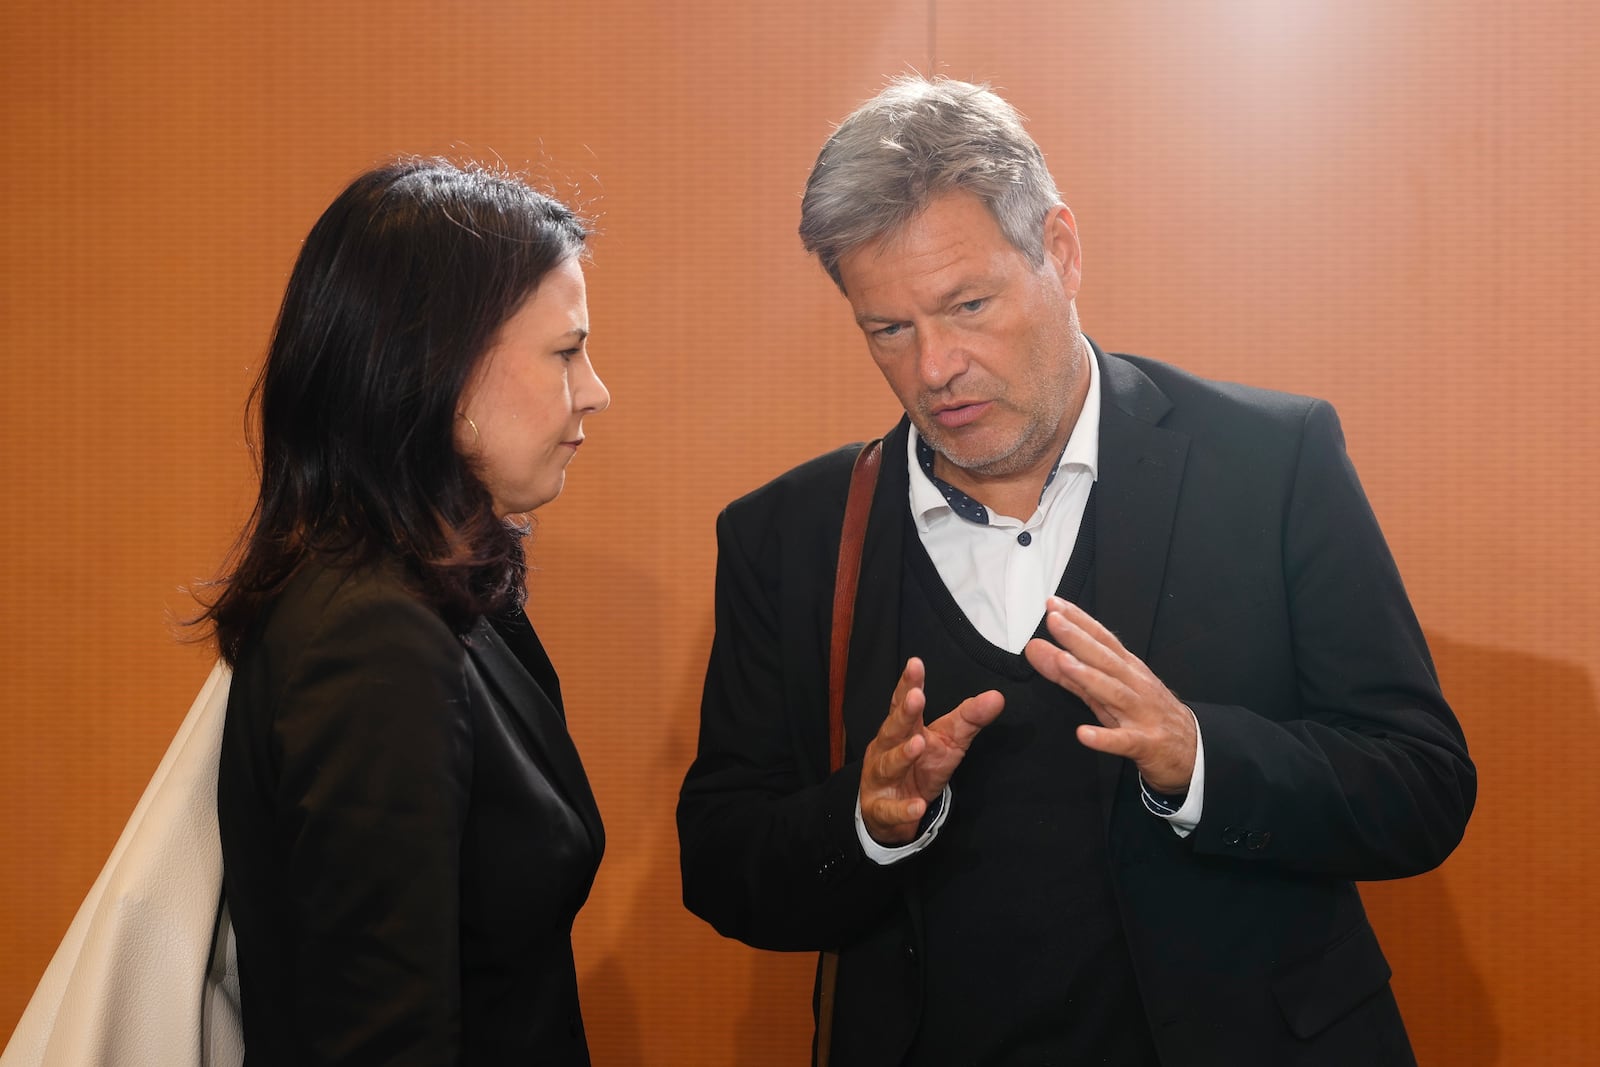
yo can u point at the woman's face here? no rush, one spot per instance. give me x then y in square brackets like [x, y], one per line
[522, 412]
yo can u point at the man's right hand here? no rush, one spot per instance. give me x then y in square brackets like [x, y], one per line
[909, 763]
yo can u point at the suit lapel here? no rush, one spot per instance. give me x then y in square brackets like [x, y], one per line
[1141, 473]
[516, 665]
[528, 650]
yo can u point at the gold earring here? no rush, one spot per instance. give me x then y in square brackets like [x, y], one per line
[477, 439]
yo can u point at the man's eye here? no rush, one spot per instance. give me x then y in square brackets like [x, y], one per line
[891, 330]
[974, 305]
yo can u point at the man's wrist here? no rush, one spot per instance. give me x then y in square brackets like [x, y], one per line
[927, 829]
[1182, 811]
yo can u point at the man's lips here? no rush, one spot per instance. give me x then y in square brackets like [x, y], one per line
[955, 416]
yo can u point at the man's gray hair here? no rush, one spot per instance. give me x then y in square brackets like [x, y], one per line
[916, 140]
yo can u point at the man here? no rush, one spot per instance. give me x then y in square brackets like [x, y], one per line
[1134, 689]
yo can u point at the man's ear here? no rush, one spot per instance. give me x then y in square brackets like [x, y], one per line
[1063, 253]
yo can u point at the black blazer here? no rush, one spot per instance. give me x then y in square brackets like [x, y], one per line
[1236, 553]
[407, 834]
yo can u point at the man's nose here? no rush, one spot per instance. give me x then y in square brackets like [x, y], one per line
[941, 357]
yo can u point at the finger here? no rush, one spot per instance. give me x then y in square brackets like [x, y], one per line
[1084, 621]
[1090, 625]
[1086, 645]
[1056, 664]
[1168, 767]
[890, 767]
[960, 725]
[892, 820]
[911, 679]
[1127, 688]
[1125, 743]
[915, 670]
[1112, 700]
[911, 810]
[1107, 715]
[905, 706]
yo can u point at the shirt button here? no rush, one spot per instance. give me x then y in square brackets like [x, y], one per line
[1024, 538]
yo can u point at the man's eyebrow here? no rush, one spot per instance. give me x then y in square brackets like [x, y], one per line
[966, 289]
[862, 320]
[945, 299]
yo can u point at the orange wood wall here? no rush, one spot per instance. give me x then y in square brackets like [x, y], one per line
[1390, 204]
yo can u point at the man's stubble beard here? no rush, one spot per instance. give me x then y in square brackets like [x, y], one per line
[1038, 432]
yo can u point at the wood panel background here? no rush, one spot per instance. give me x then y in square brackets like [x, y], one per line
[1389, 204]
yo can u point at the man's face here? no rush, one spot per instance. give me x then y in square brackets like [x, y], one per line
[981, 347]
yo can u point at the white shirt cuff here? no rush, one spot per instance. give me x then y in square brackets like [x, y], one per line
[883, 855]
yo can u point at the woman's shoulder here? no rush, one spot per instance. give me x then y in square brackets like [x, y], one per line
[351, 606]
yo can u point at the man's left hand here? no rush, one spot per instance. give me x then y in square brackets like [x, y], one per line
[1139, 717]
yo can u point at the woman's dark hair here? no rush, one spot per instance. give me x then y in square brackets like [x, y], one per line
[396, 297]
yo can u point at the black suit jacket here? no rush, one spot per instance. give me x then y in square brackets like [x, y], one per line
[1237, 555]
[407, 834]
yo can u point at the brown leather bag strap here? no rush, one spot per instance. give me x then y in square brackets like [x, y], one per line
[857, 506]
[863, 480]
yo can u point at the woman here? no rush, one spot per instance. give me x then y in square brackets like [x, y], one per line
[407, 830]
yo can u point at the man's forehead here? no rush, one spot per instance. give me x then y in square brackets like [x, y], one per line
[934, 255]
